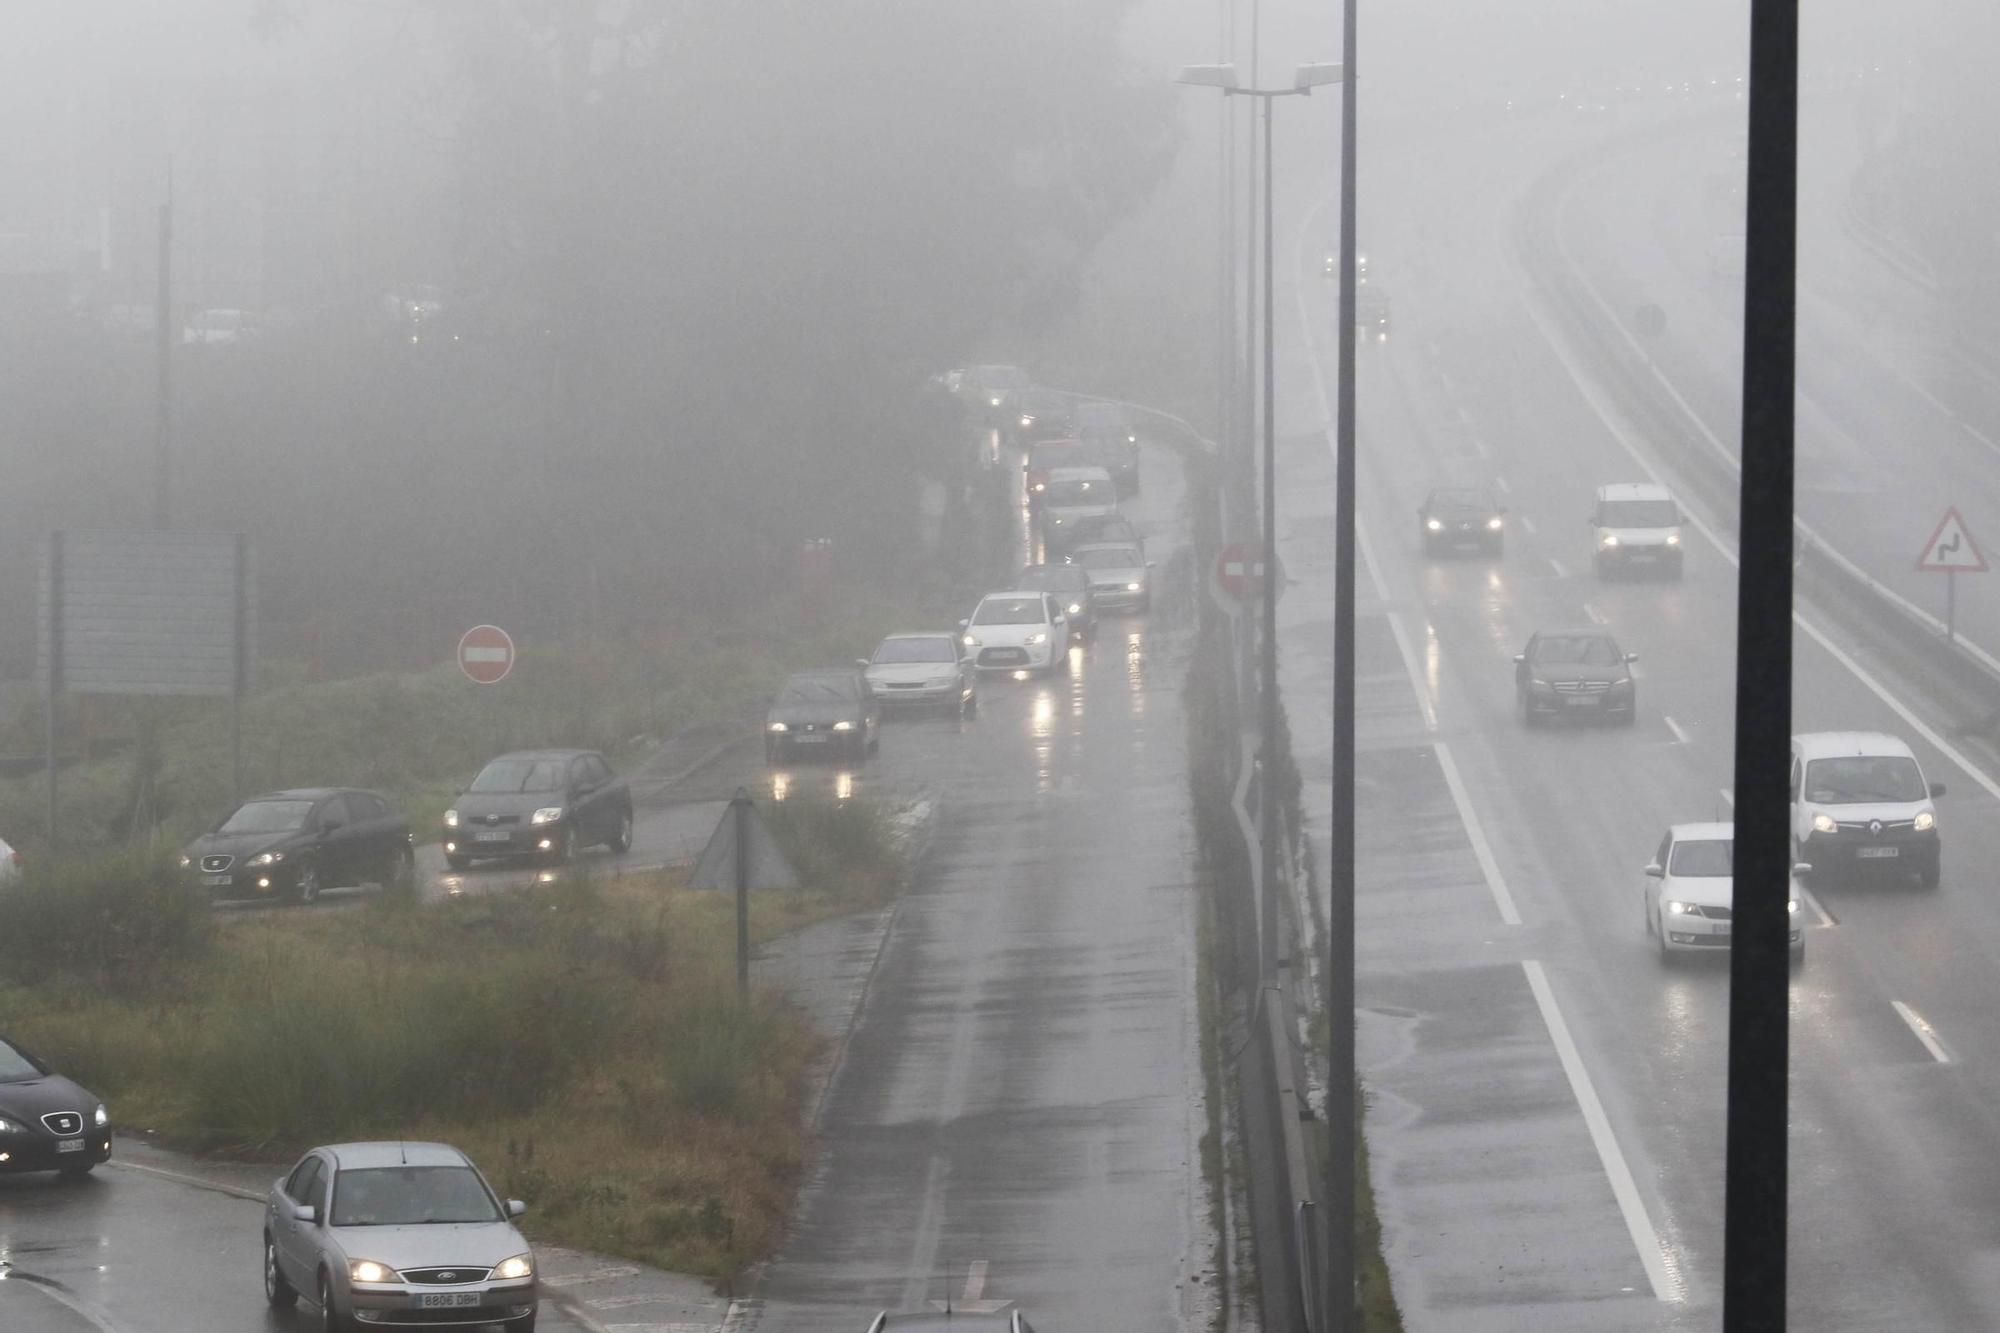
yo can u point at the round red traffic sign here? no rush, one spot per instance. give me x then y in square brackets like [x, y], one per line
[1239, 571]
[486, 654]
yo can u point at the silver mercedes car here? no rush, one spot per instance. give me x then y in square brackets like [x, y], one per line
[397, 1235]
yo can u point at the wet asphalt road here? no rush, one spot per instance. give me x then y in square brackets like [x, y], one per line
[1546, 1099]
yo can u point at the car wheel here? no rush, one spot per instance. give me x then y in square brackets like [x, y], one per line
[1798, 958]
[621, 841]
[524, 1326]
[330, 1319]
[970, 708]
[1931, 871]
[1629, 717]
[457, 862]
[276, 1290]
[1528, 717]
[75, 1170]
[306, 890]
[403, 870]
[1660, 937]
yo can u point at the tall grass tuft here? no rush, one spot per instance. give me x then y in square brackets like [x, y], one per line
[848, 849]
[121, 923]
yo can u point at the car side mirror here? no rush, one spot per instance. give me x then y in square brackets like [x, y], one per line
[1937, 789]
[1631, 657]
[861, 662]
[304, 1212]
[1519, 658]
[1654, 870]
[1149, 564]
[515, 1207]
[965, 624]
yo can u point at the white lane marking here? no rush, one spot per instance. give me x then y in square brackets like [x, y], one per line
[96, 1318]
[1482, 851]
[1728, 797]
[1652, 1257]
[1557, 566]
[975, 1280]
[1500, 485]
[1680, 732]
[1620, 432]
[1925, 1032]
[1528, 525]
[1596, 616]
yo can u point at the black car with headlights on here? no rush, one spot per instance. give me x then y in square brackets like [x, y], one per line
[547, 804]
[1042, 414]
[1459, 517]
[832, 710]
[292, 844]
[47, 1123]
[1070, 585]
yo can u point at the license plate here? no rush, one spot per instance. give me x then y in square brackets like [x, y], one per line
[1877, 852]
[493, 835]
[1721, 928]
[1581, 701]
[447, 1300]
[1640, 559]
[69, 1145]
[218, 881]
[810, 738]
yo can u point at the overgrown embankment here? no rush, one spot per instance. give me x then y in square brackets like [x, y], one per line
[582, 1040]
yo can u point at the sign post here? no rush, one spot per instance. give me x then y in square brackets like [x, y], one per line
[741, 855]
[1951, 552]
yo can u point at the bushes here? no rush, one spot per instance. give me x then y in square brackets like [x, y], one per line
[849, 849]
[121, 923]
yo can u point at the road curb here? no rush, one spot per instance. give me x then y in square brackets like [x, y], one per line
[706, 759]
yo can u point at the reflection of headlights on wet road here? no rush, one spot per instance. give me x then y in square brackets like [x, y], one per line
[843, 786]
[1493, 525]
[781, 786]
[1134, 587]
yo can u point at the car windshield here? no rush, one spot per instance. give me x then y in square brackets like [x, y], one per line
[1055, 578]
[936, 649]
[15, 1066]
[818, 690]
[1637, 514]
[505, 775]
[1078, 492]
[1857, 779]
[267, 817]
[1702, 858]
[1009, 611]
[403, 1196]
[1110, 557]
[1577, 650]
[1460, 499]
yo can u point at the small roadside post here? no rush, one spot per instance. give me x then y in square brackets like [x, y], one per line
[1951, 552]
[742, 855]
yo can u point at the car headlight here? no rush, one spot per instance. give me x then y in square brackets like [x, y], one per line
[1076, 608]
[451, 819]
[1679, 908]
[1608, 539]
[9, 1127]
[1673, 539]
[843, 725]
[265, 859]
[101, 1116]
[367, 1270]
[1134, 587]
[1924, 822]
[1824, 824]
[1493, 525]
[548, 814]
[1792, 906]
[778, 726]
[1027, 420]
[1434, 524]
[1041, 485]
[971, 642]
[520, 1266]
[1038, 637]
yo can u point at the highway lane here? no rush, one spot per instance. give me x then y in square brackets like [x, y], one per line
[1021, 1092]
[1890, 1145]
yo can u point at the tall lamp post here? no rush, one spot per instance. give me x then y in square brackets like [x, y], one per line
[1340, 1103]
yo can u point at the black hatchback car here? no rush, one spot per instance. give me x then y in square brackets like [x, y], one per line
[292, 844]
[548, 804]
[47, 1123]
[1461, 517]
[830, 711]
[1575, 673]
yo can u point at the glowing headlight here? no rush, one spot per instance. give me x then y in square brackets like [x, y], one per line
[993, 402]
[1679, 908]
[1076, 608]
[1435, 525]
[1792, 906]
[367, 1270]
[265, 859]
[451, 819]
[1027, 420]
[1041, 486]
[1925, 821]
[520, 1266]
[1824, 824]
[1133, 587]
[9, 1127]
[843, 725]
[548, 814]
[971, 642]
[1038, 637]
[778, 726]
[1608, 539]
[1493, 525]
[1673, 539]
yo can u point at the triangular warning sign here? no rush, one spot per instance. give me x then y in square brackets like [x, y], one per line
[741, 836]
[1951, 549]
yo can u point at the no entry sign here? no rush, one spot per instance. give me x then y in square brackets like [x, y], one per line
[486, 654]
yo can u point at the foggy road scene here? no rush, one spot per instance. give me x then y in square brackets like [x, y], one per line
[905, 667]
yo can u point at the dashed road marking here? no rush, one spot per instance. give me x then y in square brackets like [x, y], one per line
[1557, 566]
[1680, 732]
[1596, 616]
[1527, 525]
[1645, 1239]
[1925, 1032]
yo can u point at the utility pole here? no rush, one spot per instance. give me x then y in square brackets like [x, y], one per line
[163, 347]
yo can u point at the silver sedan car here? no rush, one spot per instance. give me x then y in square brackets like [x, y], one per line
[385, 1235]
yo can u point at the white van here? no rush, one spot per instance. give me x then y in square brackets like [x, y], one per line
[1858, 801]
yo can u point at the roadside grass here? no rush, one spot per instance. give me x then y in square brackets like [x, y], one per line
[583, 1040]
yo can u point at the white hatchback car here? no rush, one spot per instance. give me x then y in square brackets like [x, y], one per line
[1017, 631]
[1690, 891]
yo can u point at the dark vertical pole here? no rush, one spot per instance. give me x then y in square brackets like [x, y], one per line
[241, 684]
[739, 809]
[54, 632]
[1341, 1097]
[1244, 469]
[1267, 689]
[1753, 1274]
[163, 347]
[1951, 606]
